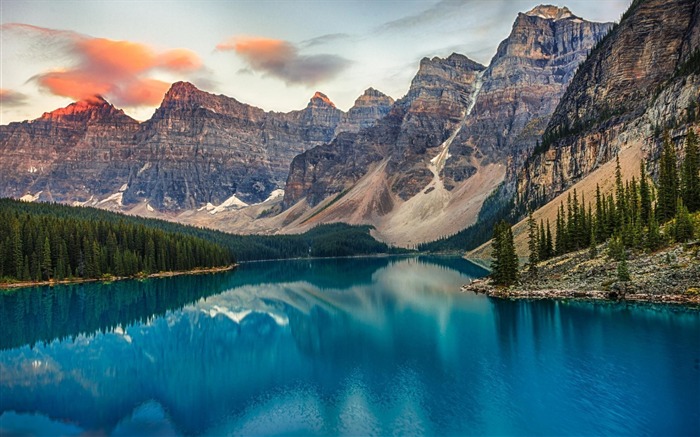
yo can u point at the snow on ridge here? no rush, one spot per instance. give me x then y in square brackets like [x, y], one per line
[231, 202]
[276, 194]
[31, 198]
[116, 198]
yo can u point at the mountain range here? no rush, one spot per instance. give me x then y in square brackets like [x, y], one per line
[561, 97]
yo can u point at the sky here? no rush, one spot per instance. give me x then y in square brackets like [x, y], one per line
[270, 54]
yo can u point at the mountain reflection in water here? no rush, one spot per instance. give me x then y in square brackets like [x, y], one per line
[342, 346]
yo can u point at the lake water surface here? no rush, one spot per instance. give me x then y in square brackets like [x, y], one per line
[373, 346]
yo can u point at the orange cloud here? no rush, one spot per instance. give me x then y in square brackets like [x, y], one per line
[73, 83]
[147, 92]
[282, 59]
[118, 70]
[116, 57]
[179, 60]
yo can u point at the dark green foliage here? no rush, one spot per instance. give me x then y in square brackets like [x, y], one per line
[42, 241]
[690, 66]
[593, 249]
[533, 244]
[668, 182]
[683, 226]
[336, 239]
[562, 243]
[644, 195]
[654, 239]
[544, 242]
[505, 265]
[549, 248]
[690, 173]
[616, 249]
[623, 272]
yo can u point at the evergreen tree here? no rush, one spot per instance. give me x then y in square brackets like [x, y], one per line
[561, 231]
[17, 249]
[653, 236]
[668, 182]
[532, 244]
[683, 227]
[505, 261]
[600, 216]
[619, 192]
[690, 173]
[550, 248]
[542, 243]
[593, 248]
[644, 195]
[46, 267]
[616, 248]
[612, 217]
[498, 263]
[623, 273]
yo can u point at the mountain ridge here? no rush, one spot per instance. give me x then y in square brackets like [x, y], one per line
[149, 161]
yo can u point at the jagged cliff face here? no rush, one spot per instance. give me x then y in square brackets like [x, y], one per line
[371, 106]
[198, 148]
[68, 154]
[522, 86]
[446, 143]
[625, 93]
[439, 94]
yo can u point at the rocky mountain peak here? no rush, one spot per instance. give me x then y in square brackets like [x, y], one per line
[447, 80]
[89, 109]
[372, 97]
[320, 99]
[550, 12]
[455, 60]
[182, 91]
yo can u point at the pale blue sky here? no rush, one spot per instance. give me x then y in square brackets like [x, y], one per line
[337, 47]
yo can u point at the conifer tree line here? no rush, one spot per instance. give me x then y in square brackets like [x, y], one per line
[631, 216]
[37, 247]
[504, 268]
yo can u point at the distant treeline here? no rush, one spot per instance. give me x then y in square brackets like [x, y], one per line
[37, 244]
[42, 240]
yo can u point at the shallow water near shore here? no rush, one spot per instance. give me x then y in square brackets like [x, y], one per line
[368, 346]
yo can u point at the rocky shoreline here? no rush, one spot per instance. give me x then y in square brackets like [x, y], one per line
[485, 287]
[671, 275]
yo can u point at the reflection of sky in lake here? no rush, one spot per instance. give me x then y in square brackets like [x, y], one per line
[359, 346]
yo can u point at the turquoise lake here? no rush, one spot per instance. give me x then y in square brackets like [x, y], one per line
[362, 346]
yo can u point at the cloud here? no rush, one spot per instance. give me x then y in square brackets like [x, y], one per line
[324, 39]
[281, 59]
[10, 98]
[448, 9]
[437, 12]
[119, 70]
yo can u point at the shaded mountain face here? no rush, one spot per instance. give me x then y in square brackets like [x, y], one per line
[75, 152]
[522, 86]
[197, 148]
[456, 128]
[632, 87]
[439, 94]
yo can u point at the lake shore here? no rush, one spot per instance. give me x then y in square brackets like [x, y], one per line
[484, 287]
[669, 275]
[51, 283]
